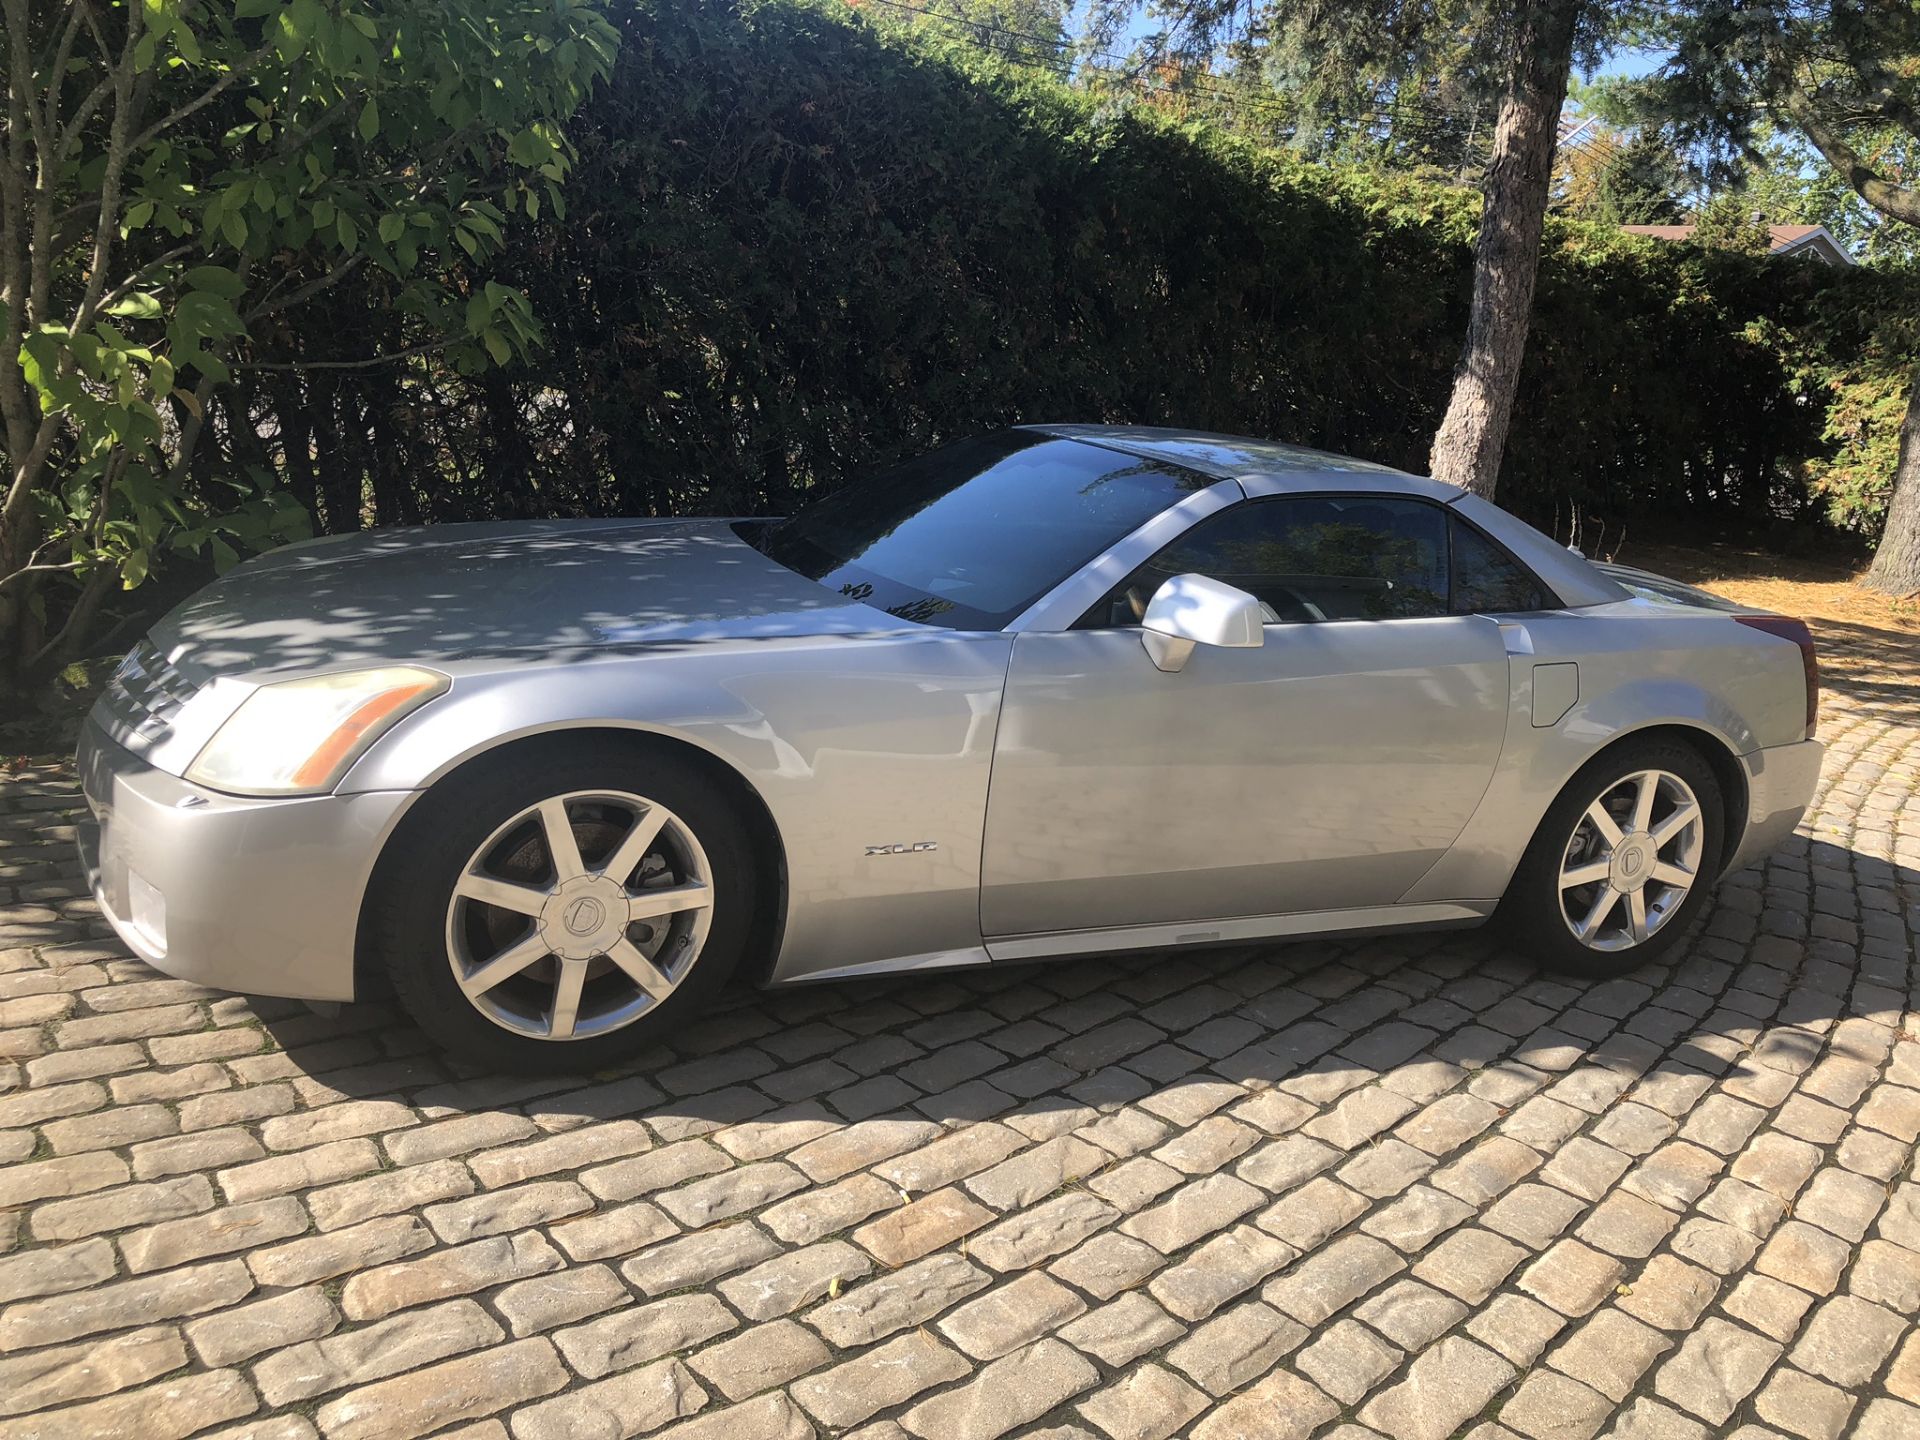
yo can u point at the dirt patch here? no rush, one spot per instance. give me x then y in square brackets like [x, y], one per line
[1869, 643]
[1814, 589]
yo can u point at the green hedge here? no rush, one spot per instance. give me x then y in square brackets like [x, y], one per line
[796, 245]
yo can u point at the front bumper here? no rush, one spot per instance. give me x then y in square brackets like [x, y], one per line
[258, 896]
[1780, 785]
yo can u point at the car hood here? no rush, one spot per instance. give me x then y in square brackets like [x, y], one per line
[457, 591]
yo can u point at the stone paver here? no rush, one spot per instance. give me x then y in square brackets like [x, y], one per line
[1404, 1188]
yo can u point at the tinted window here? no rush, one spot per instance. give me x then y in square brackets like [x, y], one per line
[1309, 558]
[970, 535]
[1486, 579]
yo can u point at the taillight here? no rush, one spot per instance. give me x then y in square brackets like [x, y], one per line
[1799, 634]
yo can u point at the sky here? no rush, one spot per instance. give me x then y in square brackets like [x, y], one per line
[1632, 63]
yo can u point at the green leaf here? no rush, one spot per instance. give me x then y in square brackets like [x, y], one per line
[225, 557]
[392, 227]
[133, 569]
[497, 346]
[217, 279]
[116, 341]
[137, 306]
[203, 315]
[40, 359]
[370, 119]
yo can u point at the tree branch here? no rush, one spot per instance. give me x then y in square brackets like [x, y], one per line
[307, 291]
[119, 151]
[1898, 202]
[205, 98]
[26, 470]
[15, 286]
[83, 113]
[64, 567]
[1887, 99]
[113, 296]
[370, 363]
[57, 69]
[78, 618]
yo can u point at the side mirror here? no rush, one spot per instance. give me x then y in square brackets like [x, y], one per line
[1192, 610]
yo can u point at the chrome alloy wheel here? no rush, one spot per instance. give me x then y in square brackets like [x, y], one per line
[1632, 860]
[579, 915]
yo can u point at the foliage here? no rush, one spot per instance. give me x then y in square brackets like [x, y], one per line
[1846, 75]
[1729, 221]
[1615, 178]
[797, 248]
[1789, 183]
[1025, 32]
[1857, 362]
[799, 242]
[179, 178]
[1410, 84]
[1842, 72]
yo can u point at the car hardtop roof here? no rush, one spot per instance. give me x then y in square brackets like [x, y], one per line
[1237, 457]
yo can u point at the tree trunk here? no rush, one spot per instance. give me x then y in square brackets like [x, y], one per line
[341, 495]
[1896, 564]
[296, 444]
[1469, 443]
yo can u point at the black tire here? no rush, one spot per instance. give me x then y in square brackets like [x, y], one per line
[405, 931]
[1530, 912]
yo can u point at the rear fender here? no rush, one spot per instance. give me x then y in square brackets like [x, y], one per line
[1538, 762]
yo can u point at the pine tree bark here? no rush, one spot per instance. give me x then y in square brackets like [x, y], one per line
[1506, 256]
[1896, 564]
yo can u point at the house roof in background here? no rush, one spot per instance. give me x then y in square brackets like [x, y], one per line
[1814, 240]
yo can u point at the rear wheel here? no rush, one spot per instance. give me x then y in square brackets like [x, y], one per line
[559, 912]
[1623, 861]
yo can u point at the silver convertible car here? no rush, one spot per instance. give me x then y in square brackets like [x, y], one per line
[1058, 690]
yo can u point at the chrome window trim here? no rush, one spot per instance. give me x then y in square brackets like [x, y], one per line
[1257, 490]
[1061, 606]
[1451, 516]
[1268, 486]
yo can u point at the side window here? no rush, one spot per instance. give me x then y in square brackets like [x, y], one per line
[1308, 558]
[1485, 579]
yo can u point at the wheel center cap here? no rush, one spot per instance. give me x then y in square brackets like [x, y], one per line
[584, 917]
[1632, 861]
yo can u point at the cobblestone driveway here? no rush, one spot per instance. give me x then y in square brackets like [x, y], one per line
[1407, 1187]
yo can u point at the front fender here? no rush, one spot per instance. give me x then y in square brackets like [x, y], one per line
[849, 743]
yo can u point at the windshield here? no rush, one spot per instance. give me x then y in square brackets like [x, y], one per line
[971, 534]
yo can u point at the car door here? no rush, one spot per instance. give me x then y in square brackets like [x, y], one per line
[1326, 769]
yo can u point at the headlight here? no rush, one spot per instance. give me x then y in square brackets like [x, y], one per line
[298, 737]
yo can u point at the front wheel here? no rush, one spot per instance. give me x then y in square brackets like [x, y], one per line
[560, 911]
[1623, 861]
